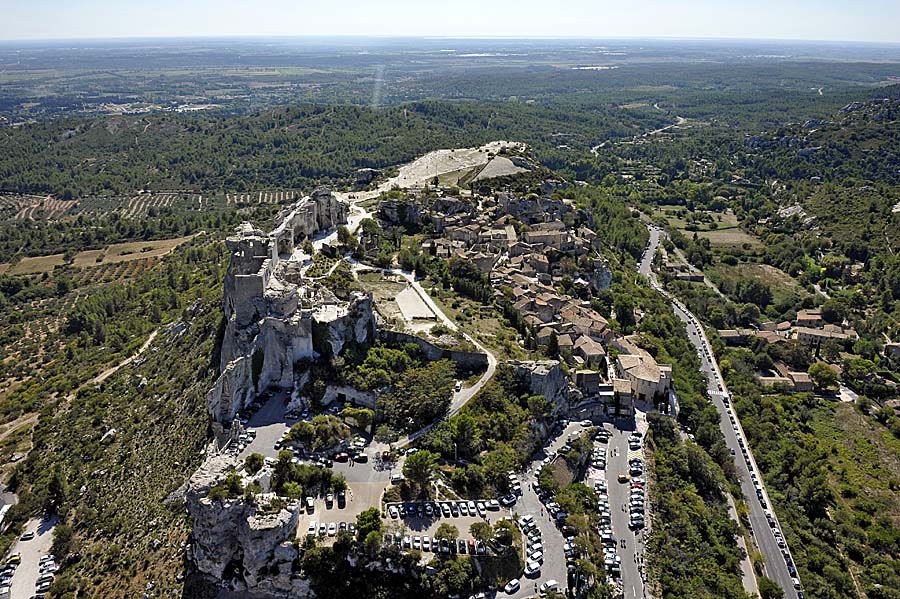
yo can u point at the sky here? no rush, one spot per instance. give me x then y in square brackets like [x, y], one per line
[838, 20]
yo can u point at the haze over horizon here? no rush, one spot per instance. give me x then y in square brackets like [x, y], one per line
[871, 21]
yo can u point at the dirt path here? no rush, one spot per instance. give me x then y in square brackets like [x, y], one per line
[113, 369]
[15, 425]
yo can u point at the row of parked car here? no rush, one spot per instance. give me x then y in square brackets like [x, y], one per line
[331, 529]
[535, 557]
[757, 485]
[447, 509]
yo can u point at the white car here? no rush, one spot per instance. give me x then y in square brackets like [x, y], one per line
[550, 585]
[511, 587]
[311, 530]
[536, 556]
[392, 510]
[332, 529]
[532, 568]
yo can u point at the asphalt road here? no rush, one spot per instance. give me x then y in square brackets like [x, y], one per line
[776, 568]
[763, 536]
[554, 566]
[619, 497]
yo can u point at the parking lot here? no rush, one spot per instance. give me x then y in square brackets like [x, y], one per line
[31, 551]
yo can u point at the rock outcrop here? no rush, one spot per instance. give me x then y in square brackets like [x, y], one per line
[545, 377]
[246, 546]
[275, 317]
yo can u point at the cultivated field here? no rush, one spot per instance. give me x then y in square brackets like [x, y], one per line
[32, 207]
[120, 252]
[730, 238]
[263, 197]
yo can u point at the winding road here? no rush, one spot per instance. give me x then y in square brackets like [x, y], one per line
[461, 397]
[763, 535]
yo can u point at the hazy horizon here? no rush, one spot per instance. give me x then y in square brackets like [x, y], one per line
[837, 21]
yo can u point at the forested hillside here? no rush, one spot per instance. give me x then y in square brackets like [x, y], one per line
[295, 147]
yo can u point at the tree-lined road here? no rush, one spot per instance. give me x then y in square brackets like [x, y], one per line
[763, 535]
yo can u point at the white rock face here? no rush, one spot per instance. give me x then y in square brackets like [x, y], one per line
[231, 535]
[274, 314]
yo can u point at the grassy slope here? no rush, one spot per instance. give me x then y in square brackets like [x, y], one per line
[125, 532]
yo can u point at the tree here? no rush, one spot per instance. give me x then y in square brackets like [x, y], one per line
[753, 291]
[56, 492]
[624, 308]
[293, 490]
[447, 531]
[823, 376]
[254, 463]
[368, 521]
[418, 467]
[769, 589]
[283, 470]
[363, 417]
[481, 531]
[63, 540]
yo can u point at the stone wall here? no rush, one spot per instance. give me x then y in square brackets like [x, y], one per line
[464, 360]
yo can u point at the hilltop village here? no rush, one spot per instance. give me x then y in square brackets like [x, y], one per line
[306, 302]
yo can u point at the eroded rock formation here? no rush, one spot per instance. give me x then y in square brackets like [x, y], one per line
[275, 316]
[246, 546]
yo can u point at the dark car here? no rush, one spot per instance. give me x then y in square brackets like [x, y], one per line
[361, 458]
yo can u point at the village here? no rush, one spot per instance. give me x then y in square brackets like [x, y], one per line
[543, 273]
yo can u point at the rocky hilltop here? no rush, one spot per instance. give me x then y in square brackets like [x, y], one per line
[274, 316]
[246, 544]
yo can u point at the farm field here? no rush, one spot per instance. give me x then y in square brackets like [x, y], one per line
[781, 283]
[730, 238]
[119, 252]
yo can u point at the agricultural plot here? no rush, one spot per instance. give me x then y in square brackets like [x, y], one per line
[32, 207]
[263, 197]
[116, 253]
[721, 228]
[141, 204]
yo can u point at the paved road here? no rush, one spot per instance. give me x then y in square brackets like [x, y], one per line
[763, 537]
[554, 566]
[619, 496]
[23, 581]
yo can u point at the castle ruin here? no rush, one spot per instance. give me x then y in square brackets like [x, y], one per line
[275, 317]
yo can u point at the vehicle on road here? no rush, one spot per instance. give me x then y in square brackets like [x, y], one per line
[27, 536]
[532, 569]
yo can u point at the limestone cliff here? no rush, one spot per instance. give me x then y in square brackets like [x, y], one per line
[246, 546]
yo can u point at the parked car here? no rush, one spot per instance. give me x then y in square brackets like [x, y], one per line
[511, 587]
